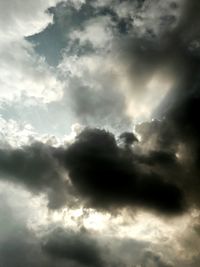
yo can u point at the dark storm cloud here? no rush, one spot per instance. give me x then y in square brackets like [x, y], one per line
[159, 158]
[110, 176]
[178, 131]
[178, 134]
[102, 174]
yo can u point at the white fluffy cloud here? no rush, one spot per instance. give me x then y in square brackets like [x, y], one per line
[25, 17]
[21, 70]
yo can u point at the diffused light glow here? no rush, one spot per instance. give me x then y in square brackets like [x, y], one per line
[140, 225]
[140, 107]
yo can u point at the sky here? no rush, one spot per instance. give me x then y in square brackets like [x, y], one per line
[99, 140]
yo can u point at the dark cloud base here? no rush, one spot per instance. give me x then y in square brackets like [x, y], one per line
[103, 174]
[111, 176]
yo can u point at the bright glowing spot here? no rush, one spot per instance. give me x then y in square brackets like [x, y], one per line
[97, 221]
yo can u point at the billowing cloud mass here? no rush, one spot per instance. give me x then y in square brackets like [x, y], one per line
[99, 170]
[110, 175]
[122, 188]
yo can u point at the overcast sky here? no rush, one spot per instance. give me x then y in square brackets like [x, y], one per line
[99, 140]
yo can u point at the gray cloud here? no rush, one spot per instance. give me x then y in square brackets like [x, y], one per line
[76, 247]
[19, 245]
[98, 97]
[35, 167]
[139, 48]
[152, 259]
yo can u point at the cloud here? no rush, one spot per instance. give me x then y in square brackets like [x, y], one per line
[177, 130]
[22, 70]
[146, 52]
[102, 26]
[102, 174]
[53, 244]
[102, 87]
[107, 175]
[76, 247]
[24, 17]
[34, 167]
[128, 138]
[113, 80]
[92, 93]
[22, 244]
[24, 73]
[22, 250]
[152, 259]
[145, 58]
[18, 244]
[177, 136]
